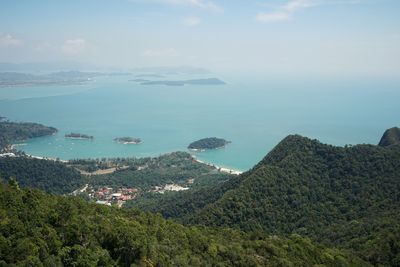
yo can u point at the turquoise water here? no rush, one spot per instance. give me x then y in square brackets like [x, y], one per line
[254, 113]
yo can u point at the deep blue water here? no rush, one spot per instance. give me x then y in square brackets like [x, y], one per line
[253, 113]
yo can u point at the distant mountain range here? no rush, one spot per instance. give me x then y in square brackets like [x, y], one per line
[10, 79]
[65, 73]
[173, 70]
[37, 67]
[206, 81]
[46, 66]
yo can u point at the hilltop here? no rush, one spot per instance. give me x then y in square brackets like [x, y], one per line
[339, 196]
[390, 137]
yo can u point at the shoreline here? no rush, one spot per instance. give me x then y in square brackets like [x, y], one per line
[78, 138]
[219, 168]
[205, 149]
[46, 158]
[129, 143]
[14, 148]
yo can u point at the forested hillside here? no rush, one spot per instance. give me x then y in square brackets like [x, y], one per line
[145, 173]
[51, 176]
[17, 131]
[339, 196]
[37, 229]
[342, 197]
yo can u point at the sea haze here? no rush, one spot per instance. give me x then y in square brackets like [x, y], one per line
[253, 113]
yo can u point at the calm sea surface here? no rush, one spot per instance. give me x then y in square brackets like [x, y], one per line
[253, 113]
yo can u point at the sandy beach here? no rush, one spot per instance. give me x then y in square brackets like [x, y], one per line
[221, 169]
[46, 158]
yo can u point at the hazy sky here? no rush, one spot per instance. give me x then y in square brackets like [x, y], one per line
[331, 37]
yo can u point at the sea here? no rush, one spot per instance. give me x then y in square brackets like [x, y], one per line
[253, 112]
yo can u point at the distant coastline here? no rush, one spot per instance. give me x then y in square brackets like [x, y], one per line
[62, 78]
[206, 81]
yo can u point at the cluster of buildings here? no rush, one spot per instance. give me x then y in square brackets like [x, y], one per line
[168, 187]
[12, 155]
[109, 196]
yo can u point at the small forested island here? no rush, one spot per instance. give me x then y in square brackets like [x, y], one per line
[208, 143]
[128, 140]
[78, 136]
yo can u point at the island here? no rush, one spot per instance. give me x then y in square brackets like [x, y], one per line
[149, 75]
[208, 143]
[128, 140]
[208, 81]
[78, 136]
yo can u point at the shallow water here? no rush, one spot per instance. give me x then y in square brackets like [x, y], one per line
[253, 113]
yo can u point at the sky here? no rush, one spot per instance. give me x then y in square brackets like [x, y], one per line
[283, 37]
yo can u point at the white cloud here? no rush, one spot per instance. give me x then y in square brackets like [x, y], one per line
[73, 46]
[44, 47]
[295, 5]
[204, 4]
[191, 21]
[9, 40]
[285, 11]
[198, 3]
[164, 52]
[272, 16]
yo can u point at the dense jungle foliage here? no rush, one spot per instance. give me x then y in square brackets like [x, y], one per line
[37, 229]
[339, 196]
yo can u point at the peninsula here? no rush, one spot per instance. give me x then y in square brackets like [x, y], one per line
[208, 143]
[11, 132]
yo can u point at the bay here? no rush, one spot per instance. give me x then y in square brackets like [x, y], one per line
[255, 113]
